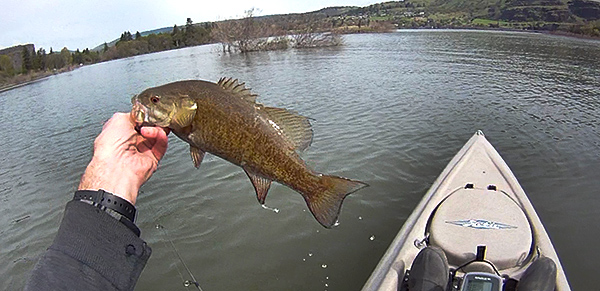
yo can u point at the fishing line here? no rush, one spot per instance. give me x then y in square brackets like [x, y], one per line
[158, 226]
[186, 283]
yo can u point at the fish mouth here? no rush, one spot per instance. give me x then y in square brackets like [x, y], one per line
[139, 114]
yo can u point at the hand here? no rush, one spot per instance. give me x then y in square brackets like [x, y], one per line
[123, 159]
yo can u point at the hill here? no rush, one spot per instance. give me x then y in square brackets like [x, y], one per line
[577, 16]
[145, 33]
[318, 28]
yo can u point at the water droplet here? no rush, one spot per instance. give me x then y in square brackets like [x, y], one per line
[372, 237]
[187, 283]
[276, 210]
[360, 218]
[158, 226]
[310, 254]
[326, 285]
[327, 278]
[324, 266]
[304, 260]
[337, 222]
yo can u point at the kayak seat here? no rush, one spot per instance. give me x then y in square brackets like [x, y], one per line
[539, 276]
[429, 271]
[474, 216]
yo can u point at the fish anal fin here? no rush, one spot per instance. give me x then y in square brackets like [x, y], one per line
[197, 155]
[261, 185]
[238, 89]
[293, 126]
[326, 205]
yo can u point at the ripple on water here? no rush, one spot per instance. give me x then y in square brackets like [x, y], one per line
[387, 109]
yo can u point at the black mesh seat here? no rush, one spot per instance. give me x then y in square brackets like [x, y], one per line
[429, 271]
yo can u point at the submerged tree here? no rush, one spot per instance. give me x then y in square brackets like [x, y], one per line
[249, 34]
[258, 34]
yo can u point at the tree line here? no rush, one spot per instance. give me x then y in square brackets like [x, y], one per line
[250, 33]
[128, 45]
[131, 45]
[42, 61]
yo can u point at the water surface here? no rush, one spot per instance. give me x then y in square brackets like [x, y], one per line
[388, 109]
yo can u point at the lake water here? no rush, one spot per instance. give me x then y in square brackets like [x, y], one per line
[388, 109]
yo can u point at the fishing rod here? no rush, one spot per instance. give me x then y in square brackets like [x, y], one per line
[186, 283]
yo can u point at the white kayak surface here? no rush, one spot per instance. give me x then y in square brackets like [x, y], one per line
[475, 200]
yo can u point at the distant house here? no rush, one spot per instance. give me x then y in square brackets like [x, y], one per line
[15, 54]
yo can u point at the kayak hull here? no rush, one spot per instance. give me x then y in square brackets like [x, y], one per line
[477, 167]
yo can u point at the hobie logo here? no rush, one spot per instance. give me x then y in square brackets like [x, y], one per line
[481, 224]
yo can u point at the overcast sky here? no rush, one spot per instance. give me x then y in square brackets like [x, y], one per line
[87, 24]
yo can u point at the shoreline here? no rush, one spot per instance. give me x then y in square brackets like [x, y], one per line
[547, 32]
[47, 74]
[33, 78]
[17, 85]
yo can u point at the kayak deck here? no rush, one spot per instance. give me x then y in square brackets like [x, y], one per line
[476, 200]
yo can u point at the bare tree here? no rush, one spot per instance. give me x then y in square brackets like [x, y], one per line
[238, 34]
[312, 33]
[252, 33]
[223, 33]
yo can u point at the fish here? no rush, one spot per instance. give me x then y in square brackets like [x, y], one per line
[225, 120]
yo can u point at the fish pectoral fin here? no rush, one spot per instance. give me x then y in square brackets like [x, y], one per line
[261, 185]
[186, 113]
[197, 155]
[293, 126]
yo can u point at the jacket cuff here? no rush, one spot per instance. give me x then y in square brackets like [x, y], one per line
[99, 241]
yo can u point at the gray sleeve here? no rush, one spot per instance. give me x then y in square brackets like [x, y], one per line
[92, 251]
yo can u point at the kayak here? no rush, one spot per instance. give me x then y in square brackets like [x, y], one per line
[475, 211]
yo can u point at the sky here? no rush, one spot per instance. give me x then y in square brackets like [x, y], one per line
[86, 24]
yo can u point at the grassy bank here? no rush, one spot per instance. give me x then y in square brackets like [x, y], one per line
[8, 83]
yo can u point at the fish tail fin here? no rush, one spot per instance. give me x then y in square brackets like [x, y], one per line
[326, 205]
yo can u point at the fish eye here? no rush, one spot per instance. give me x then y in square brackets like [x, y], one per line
[155, 99]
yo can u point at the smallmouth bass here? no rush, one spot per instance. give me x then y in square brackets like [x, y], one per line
[224, 119]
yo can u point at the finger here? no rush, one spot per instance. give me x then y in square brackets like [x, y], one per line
[116, 130]
[153, 132]
[119, 118]
[155, 140]
[160, 147]
[149, 132]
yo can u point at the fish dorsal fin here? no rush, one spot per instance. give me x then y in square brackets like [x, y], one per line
[239, 89]
[293, 126]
